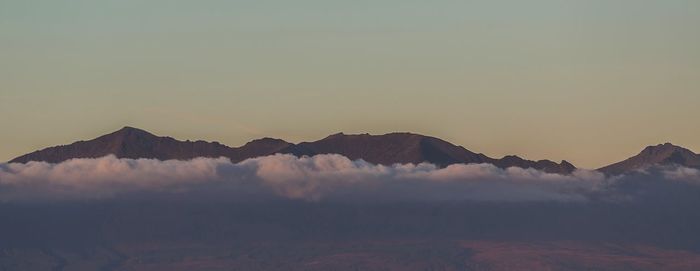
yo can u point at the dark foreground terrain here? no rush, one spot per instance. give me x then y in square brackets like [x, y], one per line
[292, 235]
[358, 255]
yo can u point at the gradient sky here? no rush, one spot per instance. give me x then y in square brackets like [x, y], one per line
[589, 81]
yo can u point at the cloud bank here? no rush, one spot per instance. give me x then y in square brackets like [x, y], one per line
[318, 178]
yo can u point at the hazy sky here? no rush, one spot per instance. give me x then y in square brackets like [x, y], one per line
[589, 81]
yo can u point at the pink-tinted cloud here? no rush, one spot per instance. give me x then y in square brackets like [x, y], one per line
[318, 178]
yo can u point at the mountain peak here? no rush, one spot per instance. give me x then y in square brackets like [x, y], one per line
[336, 135]
[130, 128]
[662, 149]
[392, 134]
[661, 154]
[568, 164]
[267, 141]
[512, 158]
[131, 131]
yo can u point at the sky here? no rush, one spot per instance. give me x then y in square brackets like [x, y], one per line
[592, 82]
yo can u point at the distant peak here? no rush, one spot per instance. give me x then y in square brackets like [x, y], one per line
[405, 134]
[663, 148]
[267, 140]
[392, 134]
[661, 154]
[336, 135]
[128, 131]
[131, 129]
[511, 157]
[666, 145]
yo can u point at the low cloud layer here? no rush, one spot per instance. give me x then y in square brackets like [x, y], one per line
[318, 178]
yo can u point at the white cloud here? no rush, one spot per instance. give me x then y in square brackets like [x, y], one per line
[318, 178]
[683, 174]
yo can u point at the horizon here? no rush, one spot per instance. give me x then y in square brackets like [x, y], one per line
[347, 134]
[583, 81]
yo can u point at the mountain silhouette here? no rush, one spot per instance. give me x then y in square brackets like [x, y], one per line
[387, 149]
[659, 155]
[414, 148]
[394, 148]
[135, 143]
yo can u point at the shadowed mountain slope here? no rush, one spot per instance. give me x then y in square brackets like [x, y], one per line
[662, 154]
[414, 148]
[134, 143]
[394, 148]
[378, 149]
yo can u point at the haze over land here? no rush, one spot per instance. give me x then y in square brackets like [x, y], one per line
[328, 212]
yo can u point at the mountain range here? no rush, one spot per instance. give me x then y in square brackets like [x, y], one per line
[386, 149]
